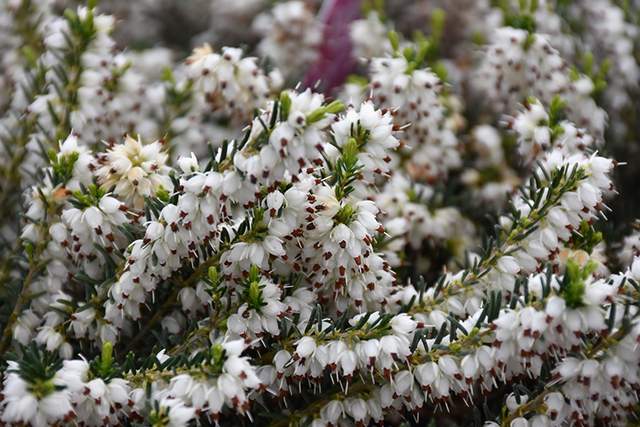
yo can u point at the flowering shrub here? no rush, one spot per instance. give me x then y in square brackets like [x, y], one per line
[192, 236]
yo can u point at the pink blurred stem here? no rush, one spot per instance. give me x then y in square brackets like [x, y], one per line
[335, 60]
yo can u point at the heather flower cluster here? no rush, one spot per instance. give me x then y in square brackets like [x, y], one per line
[319, 213]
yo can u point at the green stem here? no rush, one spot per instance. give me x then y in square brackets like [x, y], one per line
[537, 403]
[295, 418]
[509, 245]
[7, 333]
[168, 304]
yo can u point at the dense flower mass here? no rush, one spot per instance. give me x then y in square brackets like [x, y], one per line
[324, 213]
